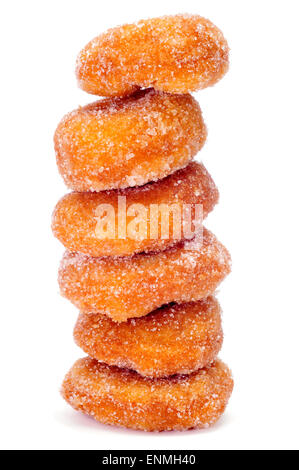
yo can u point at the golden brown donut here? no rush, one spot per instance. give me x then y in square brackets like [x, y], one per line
[175, 339]
[123, 288]
[75, 217]
[117, 143]
[178, 54]
[122, 397]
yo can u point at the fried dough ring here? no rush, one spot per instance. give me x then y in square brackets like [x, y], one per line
[122, 397]
[119, 143]
[178, 54]
[123, 288]
[176, 339]
[74, 220]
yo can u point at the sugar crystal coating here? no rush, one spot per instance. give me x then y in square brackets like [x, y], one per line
[119, 143]
[129, 287]
[175, 339]
[122, 397]
[178, 54]
[75, 218]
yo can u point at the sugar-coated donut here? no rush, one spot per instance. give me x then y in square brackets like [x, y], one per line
[122, 397]
[178, 54]
[175, 339]
[129, 287]
[118, 143]
[75, 218]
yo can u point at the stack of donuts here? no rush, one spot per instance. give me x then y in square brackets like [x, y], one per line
[148, 320]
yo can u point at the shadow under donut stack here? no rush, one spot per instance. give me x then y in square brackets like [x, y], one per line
[148, 321]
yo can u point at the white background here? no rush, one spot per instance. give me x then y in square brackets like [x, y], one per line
[251, 152]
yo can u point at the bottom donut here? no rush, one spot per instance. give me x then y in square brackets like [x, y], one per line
[122, 397]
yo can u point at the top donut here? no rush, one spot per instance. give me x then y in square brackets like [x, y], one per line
[177, 54]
